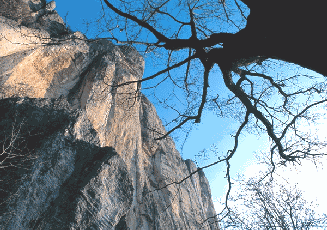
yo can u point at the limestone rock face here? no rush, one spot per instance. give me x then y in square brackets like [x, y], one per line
[78, 152]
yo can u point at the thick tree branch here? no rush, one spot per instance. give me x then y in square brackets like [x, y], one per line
[187, 72]
[204, 94]
[243, 97]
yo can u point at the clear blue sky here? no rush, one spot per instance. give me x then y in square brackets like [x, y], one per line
[212, 130]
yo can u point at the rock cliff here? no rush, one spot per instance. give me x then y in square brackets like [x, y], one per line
[77, 153]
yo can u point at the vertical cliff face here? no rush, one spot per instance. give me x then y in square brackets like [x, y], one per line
[78, 153]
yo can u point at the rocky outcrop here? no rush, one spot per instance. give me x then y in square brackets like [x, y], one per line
[77, 151]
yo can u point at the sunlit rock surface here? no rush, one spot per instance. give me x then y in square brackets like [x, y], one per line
[84, 154]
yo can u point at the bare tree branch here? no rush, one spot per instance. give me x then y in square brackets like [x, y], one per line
[159, 36]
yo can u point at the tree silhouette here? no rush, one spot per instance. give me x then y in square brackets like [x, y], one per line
[251, 42]
[287, 31]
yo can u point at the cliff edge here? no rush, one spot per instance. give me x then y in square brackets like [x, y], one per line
[78, 153]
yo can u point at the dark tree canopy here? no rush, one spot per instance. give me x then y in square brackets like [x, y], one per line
[290, 30]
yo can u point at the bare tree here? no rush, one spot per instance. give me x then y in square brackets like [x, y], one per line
[271, 205]
[16, 157]
[248, 46]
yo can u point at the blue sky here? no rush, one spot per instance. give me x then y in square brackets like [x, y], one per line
[212, 129]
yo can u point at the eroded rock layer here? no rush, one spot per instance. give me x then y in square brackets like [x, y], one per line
[78, 153]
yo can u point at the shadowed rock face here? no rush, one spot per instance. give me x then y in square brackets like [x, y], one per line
[78, 153]
[57, 181]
